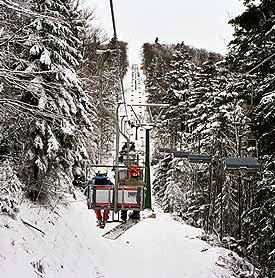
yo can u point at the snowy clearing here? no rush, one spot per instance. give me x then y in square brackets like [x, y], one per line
[74, 247]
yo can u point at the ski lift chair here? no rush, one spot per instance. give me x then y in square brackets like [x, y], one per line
[247, 164]
[131, 191]
[199, 158]
[181, 154]
[100, 193]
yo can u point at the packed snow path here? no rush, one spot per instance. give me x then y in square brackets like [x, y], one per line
[74, 247]
[159, 247]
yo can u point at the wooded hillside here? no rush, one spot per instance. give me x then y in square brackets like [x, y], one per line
[221, 108]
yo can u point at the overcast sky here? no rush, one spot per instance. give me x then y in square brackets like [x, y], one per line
[199, 23]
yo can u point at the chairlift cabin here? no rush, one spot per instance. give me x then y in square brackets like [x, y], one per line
[199, 158]
[127, 194]
[181, 154]
[130, 159]
[100, 193]
[131, 191]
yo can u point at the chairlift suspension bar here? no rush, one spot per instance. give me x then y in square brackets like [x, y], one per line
[113, 19]
[134, 112]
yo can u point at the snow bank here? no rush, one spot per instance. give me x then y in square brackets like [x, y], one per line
[70, 245]
[62, 249]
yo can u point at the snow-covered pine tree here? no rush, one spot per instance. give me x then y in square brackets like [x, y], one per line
[173, 200]
[160, 180]
[10, 25]
[156, 60]
[252, 50]
[53, 55]
[15, 116]
[203, 102]
[103, 65]
[179, 83]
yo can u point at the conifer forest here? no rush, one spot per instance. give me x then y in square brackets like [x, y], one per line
[59, 72]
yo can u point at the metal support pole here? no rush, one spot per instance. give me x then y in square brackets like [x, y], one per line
[121, 124]
[116, 164]
[136, 133]
[148, 200]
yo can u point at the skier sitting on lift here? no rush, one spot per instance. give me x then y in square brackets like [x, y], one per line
[135, 173]
[133, 147]
[101, 179]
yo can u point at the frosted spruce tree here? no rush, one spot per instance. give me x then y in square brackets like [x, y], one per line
[52, 53]
[252, 51]
[179, 83]
[160, 181]
[173, 199]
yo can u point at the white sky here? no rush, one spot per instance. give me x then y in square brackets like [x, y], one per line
[199, 23]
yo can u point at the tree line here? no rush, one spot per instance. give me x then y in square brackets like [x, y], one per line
[222, 107]
[57, 70]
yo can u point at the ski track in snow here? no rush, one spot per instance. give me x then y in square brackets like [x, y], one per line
[74, 247]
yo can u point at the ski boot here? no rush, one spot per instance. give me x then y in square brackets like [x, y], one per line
[98, 223]
[135, 215]
[102, 224]
[123, 216]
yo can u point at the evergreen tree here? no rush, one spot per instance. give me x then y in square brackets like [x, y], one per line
[160, 180]
[179, 80]
[55, 147]
[173, 199]
[252, 51]
[103, 66]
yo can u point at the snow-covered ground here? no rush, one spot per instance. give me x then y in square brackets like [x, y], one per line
[73, 247]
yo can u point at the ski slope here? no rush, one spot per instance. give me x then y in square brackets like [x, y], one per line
[74, 247]
[69, 245]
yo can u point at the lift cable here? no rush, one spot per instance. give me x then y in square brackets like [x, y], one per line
[113, 19]
[119, 68]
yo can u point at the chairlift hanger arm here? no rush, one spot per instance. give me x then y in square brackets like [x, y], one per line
[134, 112]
